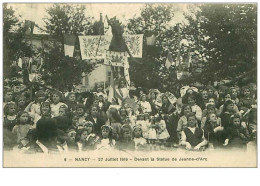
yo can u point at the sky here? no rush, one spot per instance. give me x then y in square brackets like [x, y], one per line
[36, 12]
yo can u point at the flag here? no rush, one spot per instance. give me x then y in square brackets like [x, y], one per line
[111, 93]
[169, 61]
[69, 44]
[179, 48]
[126, 72]
[188, 59]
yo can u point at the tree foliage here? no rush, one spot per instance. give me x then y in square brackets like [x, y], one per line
[60, 71]
[228, 35]
[222, 37]
[14, 42]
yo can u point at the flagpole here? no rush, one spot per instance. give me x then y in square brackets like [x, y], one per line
[179, 47]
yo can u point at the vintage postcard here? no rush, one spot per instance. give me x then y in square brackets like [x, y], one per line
[129, 85]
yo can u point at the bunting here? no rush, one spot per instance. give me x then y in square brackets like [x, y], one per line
[69, 44]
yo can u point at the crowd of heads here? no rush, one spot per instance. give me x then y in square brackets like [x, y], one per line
[196, 118]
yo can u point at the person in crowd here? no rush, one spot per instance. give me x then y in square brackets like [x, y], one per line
[211, 101]
[234, 95]
[102, 106]
[246, 100]
[115, 122]
[34, 108]
[226, 98]
[125, 141]
[140, 142]
[210, 109]
[8, 96]
[213, 131]
[123, 114]
[81, 139]
[96, 119]
[161, 130]
[45, 111]
[193, 137]
[71, 135]
[10, 116]
[56, 99]
[183, 121]
[106, 140]
[23, 125]
[144, 104]
[143, 124]
[237, 134]
[92, 138]
[47, 137]
[21, 102]
[205, 98]
[74, 121]
[195, 108]
[80, 112]
[71, 101]
[152, 96]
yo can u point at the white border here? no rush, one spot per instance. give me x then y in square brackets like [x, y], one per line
[128, 176]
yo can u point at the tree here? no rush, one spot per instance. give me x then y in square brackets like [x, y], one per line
[60, 71]
[154, 20]
[226, 35]
[220, 37]
[14, 43]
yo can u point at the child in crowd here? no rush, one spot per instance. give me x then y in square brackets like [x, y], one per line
[34, 108]
[74, 122]
[71, 101]
[45, 111]
[143, 124]
[227, 98]
[140, 142]
[21, 103]
[194, 107]
[56, 103]
[125, 142]
[71, 140]
[145, 105]
[192, 137]
[115, 122]
[152, 137]
[80, 111]
[213, 131]
[96, 119]
[238, 135]
[183, 122]
[162, 132]
[23, 126]
[247, 100]
[10, 119]
[91, 139]
[106, 142]
[82, 139]
[234, 95]
[8, 96]
[210, 109]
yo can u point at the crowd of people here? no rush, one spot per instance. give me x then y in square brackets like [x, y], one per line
[42, 119]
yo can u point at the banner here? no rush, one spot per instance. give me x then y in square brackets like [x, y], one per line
[134, 44]
[69, 44]
[115, 58]
[169, 61]
[94, 47]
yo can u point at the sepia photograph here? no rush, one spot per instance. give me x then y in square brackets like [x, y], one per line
[129, 84]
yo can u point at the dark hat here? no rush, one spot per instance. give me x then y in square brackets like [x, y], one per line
[46, 128]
